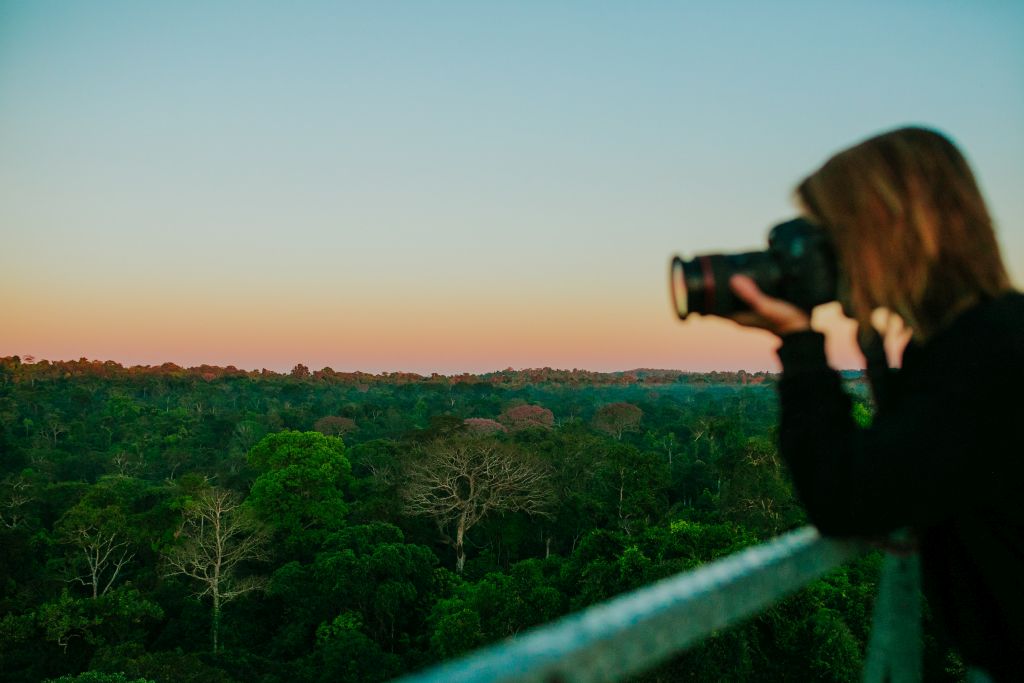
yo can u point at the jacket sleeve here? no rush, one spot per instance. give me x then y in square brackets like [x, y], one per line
[906, 469]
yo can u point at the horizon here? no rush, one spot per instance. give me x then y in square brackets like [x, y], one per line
[840, 348]
[449, 188]
[30, 359]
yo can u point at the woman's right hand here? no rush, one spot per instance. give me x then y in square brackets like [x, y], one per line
[768, 313]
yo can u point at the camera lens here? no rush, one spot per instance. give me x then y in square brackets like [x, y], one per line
[799, 266]
[679, 293]
[697, 285]
[701, 285]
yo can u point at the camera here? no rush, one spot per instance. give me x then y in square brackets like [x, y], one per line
[799, 266]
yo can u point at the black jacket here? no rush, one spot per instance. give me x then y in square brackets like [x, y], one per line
[944, 455]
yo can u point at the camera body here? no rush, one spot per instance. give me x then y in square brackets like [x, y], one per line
[799, 266]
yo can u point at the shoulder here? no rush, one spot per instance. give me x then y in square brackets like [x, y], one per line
[988, 336]
[996, 324]
[1005, 312]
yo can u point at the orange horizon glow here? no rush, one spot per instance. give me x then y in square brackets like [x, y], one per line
[446, 189]
[455, 338]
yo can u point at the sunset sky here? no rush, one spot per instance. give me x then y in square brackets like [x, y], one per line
[448, 186]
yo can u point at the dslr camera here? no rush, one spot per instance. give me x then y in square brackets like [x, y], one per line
[799, 266]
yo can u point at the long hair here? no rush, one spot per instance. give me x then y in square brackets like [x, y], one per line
[910, 226]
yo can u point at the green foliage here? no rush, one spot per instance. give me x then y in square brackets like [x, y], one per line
[117, 617]
[456, 629]
[349, 656]
[757, 493]
[834, 653]
[303, 478]
[167, 665]
[652, 473]
[862, 414]
[366, 580]
[97, 677]
[618, 418]
[345, 622]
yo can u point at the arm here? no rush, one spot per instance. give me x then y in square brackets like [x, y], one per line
[907, 468]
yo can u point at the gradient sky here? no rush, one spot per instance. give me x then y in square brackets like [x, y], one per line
[448, 186]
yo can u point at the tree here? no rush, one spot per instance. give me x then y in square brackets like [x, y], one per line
[101, 537]
[216, 536]
[15, 497]
[497, 606]
[482, 425]
[758, 494]
[667, 442]
[459, 481]
[634, 482]
[110, 620]
[302, 485]
[99, 528]
[97, 677]
[334, 425]
[365, 583]
[527, 417]
[617, 418]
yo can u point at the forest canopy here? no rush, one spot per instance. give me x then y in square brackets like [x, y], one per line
[213, 524]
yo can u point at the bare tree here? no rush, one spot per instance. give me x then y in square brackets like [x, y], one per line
[216, 536]
[126, 464]
[247, 434]
[52, 428]
[105, 549]
[100, 532]
[14, 499]
[459, 481]
[702, 426]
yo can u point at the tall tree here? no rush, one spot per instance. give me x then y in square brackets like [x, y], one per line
[527, 417]
[101, 540]
[101, 530]
[15, 498]
[334, 425]
[459, 481]
[617, 418]
[216, 536]
[302, 484]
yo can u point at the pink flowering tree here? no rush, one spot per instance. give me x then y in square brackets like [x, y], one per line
[527, 417]
[482, 425]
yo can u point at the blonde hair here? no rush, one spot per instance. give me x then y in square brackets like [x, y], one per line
[910, 227]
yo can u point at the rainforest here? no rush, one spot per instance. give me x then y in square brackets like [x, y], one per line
[161, 523]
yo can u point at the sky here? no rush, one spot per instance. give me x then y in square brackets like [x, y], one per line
[449, 186]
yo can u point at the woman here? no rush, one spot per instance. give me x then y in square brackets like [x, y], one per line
[943, 454]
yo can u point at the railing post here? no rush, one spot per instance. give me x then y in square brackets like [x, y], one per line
[895, 650]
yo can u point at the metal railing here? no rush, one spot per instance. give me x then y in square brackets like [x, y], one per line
[636, 631]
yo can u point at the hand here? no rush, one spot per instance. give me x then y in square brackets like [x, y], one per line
[774, 315]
